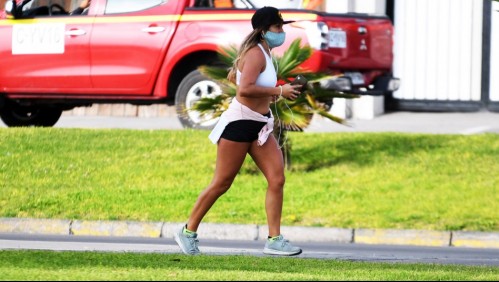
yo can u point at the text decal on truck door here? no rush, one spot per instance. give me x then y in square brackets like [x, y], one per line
[40, 38]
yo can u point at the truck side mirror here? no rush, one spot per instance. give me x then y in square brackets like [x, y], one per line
[10, 8]
[13, 10]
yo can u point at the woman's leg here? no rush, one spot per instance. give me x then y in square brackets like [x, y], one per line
[268, 158]
[230, 157]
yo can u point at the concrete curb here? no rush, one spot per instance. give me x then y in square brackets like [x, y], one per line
[251, 232]
[403, 237]
[116, 228]
[475, 239]
[35, 226]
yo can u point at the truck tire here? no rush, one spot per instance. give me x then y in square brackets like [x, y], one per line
[14, 115]
[192, 88]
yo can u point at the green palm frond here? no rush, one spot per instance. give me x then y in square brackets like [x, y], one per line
[292, 115]
[227, 55]
[289, 63]
[212, 106]
[215, 106]
[217, 73]
[321, 93]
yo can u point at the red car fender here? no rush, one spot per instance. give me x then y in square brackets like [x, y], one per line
[172, 59]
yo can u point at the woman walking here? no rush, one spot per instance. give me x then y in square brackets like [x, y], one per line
[245, 128]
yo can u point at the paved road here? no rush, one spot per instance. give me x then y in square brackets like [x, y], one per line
[350, 252]
[433, 123]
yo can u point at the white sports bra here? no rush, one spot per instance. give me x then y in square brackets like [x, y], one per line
[268, 78]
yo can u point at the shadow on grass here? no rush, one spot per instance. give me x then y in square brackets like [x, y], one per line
[361, 149]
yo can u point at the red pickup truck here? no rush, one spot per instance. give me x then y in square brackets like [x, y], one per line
[145, 52]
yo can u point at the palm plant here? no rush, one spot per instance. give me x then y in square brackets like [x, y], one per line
[289, 115]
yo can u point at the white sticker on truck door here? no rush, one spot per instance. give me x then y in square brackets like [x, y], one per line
[337, 39]
[40, 38]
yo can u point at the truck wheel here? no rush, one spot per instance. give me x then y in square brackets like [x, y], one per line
[192, 88]
[14, 115]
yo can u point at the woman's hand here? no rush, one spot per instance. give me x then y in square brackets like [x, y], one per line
[290, 92]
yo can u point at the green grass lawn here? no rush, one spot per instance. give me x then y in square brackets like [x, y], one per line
[91, 266]
[351, 180]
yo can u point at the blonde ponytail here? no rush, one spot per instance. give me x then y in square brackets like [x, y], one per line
[251, 41]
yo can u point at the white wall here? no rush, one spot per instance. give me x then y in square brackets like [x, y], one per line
[368, 6]
[494, 59]
[359, 6]
[280, 4]
[337, 6]
[438, 49]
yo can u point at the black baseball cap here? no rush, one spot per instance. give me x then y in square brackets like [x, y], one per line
[267, 16]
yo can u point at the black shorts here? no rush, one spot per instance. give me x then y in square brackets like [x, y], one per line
[243, 130]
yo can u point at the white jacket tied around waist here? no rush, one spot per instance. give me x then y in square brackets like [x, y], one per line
[238, 111]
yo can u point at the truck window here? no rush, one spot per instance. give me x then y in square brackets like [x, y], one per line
[38, 8]
[203, 3]
[128, 6]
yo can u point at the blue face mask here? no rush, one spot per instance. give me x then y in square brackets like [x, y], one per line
[274, 39]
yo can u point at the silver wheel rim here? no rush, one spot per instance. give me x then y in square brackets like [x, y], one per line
[202, 89]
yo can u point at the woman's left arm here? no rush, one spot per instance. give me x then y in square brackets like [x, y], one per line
[253, 64]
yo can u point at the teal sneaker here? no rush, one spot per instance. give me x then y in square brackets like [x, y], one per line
[281, 247]
[188, 243]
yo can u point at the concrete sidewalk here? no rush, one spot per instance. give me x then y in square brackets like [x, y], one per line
[415, 122]
[408, 122]
[251, 232]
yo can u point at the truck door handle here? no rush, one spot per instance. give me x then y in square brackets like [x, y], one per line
[75, 32]
[154, 29]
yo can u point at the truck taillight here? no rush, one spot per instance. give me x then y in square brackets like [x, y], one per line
[321, 40]
[317, 33]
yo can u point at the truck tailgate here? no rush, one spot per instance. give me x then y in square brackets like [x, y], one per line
[359, 42]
